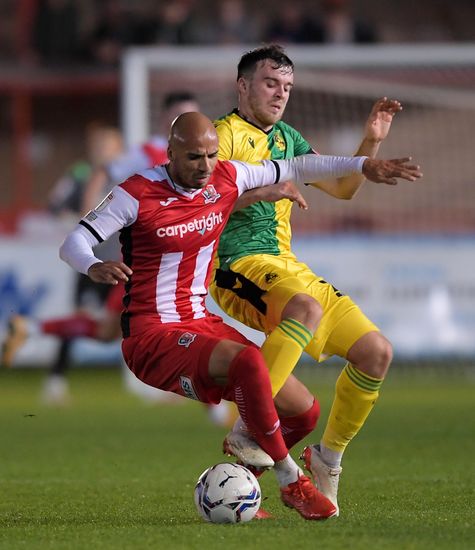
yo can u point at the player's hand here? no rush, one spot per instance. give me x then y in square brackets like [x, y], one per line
[271, 193]
[380, 119]
[387, 171]
[283, 190]
[109, 272]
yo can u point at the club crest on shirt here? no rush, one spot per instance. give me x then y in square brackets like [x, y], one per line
[210, 194]
[186, 339]
[100, 207]
[279, 141]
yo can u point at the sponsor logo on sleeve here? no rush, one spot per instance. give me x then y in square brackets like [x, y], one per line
[104, 202]
[90, 216]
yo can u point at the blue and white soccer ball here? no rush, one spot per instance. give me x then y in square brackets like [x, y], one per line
[227, 493]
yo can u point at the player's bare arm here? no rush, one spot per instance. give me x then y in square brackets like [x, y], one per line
[272, 193]
[379, 122]
[376, 130]
[109, 272]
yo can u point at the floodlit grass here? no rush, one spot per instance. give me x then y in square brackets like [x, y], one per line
[110, 472]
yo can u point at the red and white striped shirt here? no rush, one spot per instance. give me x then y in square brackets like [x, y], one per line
[169, 234]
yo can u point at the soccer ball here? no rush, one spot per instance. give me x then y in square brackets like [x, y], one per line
[227, 493]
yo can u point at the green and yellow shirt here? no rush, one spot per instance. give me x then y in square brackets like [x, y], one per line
[263, 227]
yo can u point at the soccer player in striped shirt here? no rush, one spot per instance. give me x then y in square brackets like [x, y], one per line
[170, 219]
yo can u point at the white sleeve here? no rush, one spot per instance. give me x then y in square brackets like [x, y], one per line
[302, 169]
[119, 209]
[76, 249]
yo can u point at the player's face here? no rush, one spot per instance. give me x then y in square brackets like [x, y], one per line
[192, 162]
[264, 96]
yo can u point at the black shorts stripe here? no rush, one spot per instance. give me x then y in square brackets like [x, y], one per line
[91, 230]
[242, 287]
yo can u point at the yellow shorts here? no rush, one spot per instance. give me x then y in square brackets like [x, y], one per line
[257, 288]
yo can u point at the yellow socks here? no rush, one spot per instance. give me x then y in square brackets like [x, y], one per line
[355, 395]
[282, 350]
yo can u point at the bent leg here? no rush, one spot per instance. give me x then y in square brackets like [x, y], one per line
[283, 347]
[273, 294]
[248, 385]
[357, 390]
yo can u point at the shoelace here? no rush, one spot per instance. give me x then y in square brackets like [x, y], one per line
[298, 487]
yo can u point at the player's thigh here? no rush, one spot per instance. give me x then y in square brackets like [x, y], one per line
[257, 289]
[343, 323]
[176, 359]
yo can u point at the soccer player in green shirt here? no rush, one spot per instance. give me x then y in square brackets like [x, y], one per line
[260, 282]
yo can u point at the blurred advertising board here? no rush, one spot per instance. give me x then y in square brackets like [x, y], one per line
[420, 291]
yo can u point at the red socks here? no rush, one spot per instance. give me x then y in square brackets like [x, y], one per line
[250, 388]
[74, 326]
[295, 428]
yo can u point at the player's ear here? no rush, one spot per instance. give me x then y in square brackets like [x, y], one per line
[169, 153]
[242, 84]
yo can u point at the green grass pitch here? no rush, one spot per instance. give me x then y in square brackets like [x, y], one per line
[110, 472]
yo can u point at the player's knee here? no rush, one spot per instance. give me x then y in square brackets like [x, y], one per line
[372, 354]
[305, 309]
[381, 355]
[255, 363]
[249, 362]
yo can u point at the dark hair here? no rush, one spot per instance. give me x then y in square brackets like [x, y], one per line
[176, 97]
[248, 62]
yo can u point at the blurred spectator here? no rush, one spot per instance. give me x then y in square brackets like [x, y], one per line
[231, 24]
[102, 145]
[55, 33]
[174, 23]
[332, 24]
[116, 27]
[8, 32]
[336, 24]
[291, 24]
[141, 156]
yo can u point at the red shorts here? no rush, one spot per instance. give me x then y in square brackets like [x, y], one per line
[175, 356]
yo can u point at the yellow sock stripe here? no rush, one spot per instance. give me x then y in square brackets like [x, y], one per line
[296, 331]
[362, 380]
[365, 378]
[294, 336]
[299, 326]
